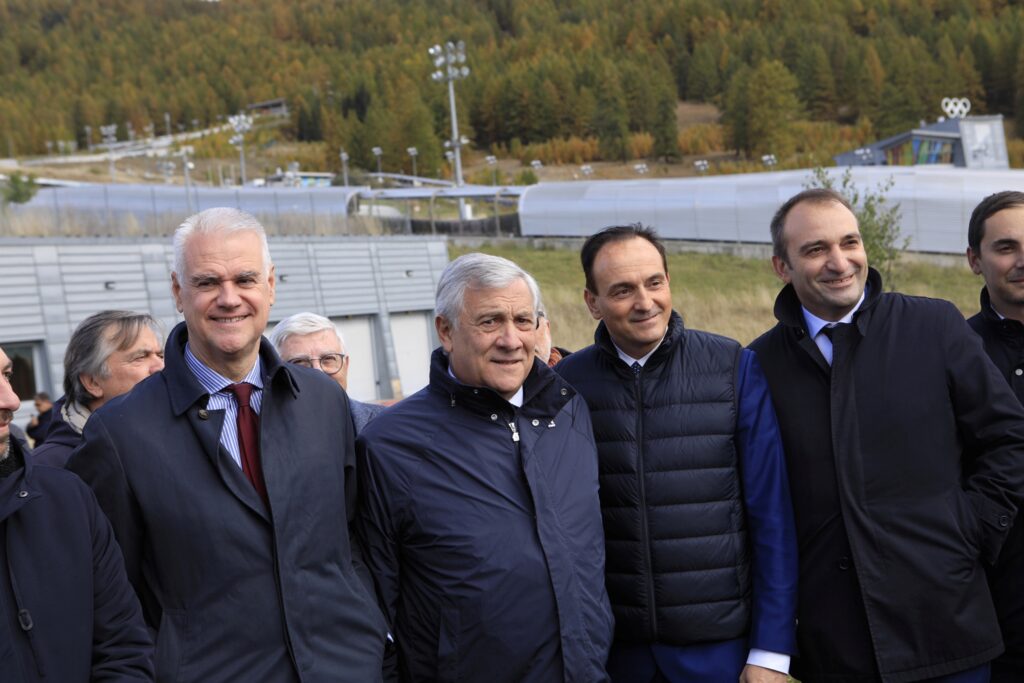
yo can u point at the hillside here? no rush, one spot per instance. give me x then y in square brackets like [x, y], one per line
[579, 80]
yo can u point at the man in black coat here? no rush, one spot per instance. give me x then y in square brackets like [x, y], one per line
[229, 480]
[906, 461]
[995, 237]
[67, 611]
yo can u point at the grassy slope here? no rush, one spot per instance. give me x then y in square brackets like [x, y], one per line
[715, 292]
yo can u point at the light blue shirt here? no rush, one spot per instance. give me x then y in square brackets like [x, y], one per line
[815, 325]
[221, 398]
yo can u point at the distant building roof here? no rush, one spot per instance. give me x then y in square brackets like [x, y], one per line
[969, 142]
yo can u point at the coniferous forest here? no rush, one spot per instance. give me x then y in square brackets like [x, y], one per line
[591, 75]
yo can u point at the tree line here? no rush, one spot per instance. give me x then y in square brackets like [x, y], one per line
[357, 74]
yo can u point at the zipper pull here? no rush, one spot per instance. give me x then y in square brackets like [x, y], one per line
[515, 432]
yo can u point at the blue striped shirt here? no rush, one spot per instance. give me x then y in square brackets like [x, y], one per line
[221, 398]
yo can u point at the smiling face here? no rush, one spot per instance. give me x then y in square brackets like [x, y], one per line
[493, 343]
[225, 294]
[633, 297]
[9, 403]
[825, 258]
[126, 368]
[1000, 260]
[316, 345]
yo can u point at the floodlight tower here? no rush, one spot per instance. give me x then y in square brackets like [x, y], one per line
[242, 123]
[450, 61]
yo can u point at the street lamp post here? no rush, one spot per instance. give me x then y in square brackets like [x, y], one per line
[378, 152]
[88, 137]
[769, 160]
[109, 133]
[167, 122]
[701, 166]
[413, 153]
[344, 166]
[242, 123]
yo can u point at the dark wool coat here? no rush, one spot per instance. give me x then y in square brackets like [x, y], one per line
[61, 440]
[67, 611]
[237, 592]
[482, 528]
[906, 463]
[1004, 343]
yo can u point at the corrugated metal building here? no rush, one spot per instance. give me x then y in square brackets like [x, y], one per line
[378, 291]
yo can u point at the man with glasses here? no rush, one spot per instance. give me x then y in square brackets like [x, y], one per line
[312, 341]
[479, 512]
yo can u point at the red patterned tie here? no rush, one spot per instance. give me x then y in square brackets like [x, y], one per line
[249, 437]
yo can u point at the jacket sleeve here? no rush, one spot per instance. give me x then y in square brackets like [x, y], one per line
[98, 463]
[990, 421]
[122, 647]
[375, 531]
[769, 513]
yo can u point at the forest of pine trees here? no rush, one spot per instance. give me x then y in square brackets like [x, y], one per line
[357, 75]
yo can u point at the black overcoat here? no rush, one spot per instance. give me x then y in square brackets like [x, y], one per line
[906, 464]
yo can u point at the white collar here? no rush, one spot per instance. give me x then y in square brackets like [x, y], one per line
[629, 360]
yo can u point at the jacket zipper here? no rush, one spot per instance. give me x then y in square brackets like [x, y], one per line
[515, 431]
[644, 529]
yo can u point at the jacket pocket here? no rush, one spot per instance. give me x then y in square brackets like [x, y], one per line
[448, 646]
[966, 519]
[169, 639]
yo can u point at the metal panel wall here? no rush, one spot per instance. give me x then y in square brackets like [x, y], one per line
[50, 285]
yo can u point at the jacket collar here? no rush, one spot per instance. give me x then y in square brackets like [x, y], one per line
[544, 392]
[603, 340]
[185, 390]
[1006, 327]
[17, 488]
[789, 312]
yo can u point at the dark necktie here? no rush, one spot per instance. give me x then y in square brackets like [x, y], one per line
[636, 367]
[829, 330]
[249, 437]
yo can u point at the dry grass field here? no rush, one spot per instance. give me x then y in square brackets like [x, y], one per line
[720, 293]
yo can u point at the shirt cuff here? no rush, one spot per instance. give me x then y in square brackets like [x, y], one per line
[776, 661]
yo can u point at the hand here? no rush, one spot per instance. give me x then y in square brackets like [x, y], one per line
[34, 422]
[759, 674]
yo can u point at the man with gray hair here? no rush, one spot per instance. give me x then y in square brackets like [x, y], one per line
[311, 340]
[108, 354]
[229, 479]
[479, 510]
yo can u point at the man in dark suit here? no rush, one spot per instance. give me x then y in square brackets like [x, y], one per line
[905, 451]
[995, 238]
[229, 480]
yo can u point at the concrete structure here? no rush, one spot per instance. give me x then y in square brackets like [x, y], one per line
[378, 291]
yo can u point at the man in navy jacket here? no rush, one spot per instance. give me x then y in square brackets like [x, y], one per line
[67, 611]
[229, 481]
[479, 504]
[701, 564]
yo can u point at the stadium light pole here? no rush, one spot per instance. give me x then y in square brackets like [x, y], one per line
[450, 62]
[344, 166]
[378, 152]
[242, 123]
[109, 133]
[413, 152]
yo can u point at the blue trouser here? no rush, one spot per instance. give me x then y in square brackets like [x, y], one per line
[720, 662]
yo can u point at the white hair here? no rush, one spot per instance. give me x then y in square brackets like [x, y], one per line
[300, 325]
[221, 219]
[478, 271]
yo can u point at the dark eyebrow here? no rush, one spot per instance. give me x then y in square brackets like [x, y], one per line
[247, 273]
[1006, 242]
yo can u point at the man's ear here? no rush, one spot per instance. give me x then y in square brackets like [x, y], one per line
[444, 332]
[91, 385]
[781, 268]
[974, 261]
[176, 291]
[591, 300]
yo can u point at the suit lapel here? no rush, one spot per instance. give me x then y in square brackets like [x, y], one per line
[208, 432]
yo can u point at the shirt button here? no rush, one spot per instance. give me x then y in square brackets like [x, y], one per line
[203, 414]
[22, 494]
[494, 416]
[844, 563]
[535, 422]
[564, 391]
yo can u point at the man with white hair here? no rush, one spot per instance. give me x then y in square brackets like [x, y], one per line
[312, 341]
[478, 502]
[108, 354]
[229, 479]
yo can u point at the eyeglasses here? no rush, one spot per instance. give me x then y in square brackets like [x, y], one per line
[329, 362]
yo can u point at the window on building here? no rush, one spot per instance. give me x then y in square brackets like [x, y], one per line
[26, 358]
